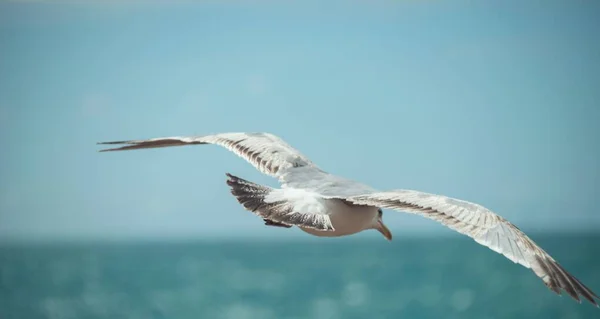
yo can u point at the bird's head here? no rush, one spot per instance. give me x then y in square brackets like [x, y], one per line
[380, 226]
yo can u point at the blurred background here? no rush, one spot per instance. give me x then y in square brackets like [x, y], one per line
[491, 102]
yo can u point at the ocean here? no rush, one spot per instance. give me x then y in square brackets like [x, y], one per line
[438, 277]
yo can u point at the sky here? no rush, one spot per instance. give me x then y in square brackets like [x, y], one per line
[494, 102]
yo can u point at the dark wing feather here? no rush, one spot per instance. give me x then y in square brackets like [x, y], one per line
[283, 211]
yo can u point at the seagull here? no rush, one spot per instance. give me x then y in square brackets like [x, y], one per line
[327, 205]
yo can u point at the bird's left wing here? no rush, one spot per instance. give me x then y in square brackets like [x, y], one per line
[290, 207]
[266, 152]
[484, 227]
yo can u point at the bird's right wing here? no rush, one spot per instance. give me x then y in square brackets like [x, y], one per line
[486, 228]
[266, 152]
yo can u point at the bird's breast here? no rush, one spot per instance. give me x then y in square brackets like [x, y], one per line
[346, 219]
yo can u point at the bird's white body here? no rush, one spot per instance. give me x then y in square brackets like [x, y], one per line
[345, 218]
[326, 205]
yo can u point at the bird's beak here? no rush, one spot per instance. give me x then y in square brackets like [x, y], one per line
[384, 230]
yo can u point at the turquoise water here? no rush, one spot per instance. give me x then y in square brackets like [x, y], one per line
[324, 278]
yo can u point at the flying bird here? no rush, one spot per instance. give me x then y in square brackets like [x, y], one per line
[326, 205]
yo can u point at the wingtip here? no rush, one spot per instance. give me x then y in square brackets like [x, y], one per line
[560, 280]
[593, 301]
[113, 149]
[112, 142]
[107, 143]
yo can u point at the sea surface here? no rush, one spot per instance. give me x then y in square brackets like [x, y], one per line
[325, 278]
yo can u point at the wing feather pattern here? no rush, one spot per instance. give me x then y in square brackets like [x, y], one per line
[287, 207]
[266, 152]
[487, 229]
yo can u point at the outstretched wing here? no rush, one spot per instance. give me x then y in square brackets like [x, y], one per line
[484, 227]
[266, 152]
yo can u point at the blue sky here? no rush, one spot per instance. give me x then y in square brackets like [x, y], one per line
[493, 102]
